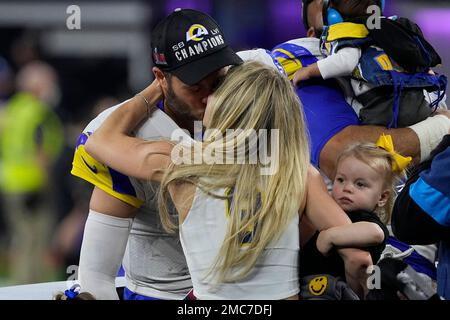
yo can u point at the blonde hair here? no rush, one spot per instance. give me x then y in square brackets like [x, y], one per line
[255, 97]
[381, 161]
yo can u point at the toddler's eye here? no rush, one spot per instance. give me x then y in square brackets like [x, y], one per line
[360, 185]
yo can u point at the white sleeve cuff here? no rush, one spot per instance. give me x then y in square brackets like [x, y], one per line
[104, 242]
[430, 132]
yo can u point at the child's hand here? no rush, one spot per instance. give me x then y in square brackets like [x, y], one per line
[323, 243]
[311, 71]
[301, 75]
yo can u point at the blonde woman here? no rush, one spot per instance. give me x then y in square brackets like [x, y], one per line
[238, 228]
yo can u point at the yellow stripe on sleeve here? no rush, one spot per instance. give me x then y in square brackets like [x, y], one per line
[88, 168]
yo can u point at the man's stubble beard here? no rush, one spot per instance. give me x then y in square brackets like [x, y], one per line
[177, 106]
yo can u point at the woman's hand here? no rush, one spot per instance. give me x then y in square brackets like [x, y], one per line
[153, 91]
[151, 96]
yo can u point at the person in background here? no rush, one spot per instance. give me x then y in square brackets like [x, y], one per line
[31, 139]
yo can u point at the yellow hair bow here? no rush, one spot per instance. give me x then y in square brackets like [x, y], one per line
[400, 162]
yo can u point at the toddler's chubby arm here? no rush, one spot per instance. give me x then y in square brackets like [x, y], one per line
[336, 65]
[356, 235]
[303, 74]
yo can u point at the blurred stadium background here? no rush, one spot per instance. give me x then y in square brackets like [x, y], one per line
[108, 60]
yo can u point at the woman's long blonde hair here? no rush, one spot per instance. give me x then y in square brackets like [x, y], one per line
[253, 96]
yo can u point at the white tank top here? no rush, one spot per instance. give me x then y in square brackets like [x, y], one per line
[275, 275]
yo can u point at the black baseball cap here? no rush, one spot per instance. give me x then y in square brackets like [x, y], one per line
[190, 45]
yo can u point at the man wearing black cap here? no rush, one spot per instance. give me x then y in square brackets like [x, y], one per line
[190, 55]
[189, 52]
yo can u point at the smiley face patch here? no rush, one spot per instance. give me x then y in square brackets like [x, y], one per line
[318, 285]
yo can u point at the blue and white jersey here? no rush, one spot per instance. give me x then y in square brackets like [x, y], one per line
[154, 262]
[432, 190]
[324, 101]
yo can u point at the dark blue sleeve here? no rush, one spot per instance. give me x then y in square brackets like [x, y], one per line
[421, 213]
[327, 113]
[432, 190]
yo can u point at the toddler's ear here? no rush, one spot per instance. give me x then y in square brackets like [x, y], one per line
[384, 198]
